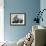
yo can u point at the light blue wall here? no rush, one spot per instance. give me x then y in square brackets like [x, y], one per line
[30, 7]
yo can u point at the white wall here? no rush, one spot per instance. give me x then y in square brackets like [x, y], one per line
[1, 20]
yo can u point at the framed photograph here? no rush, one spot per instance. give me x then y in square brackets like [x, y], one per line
[17, 19]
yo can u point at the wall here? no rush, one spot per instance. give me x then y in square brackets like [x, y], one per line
[30, 7]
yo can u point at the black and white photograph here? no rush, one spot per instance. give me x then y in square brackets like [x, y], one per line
[17, 18]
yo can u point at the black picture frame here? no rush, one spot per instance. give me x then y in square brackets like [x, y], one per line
[17, 19]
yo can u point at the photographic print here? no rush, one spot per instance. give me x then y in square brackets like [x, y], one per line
[17, 18]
